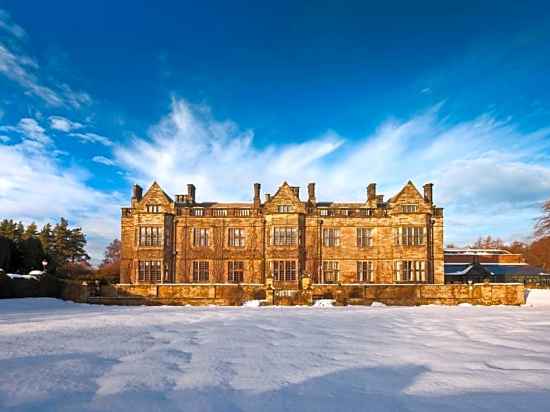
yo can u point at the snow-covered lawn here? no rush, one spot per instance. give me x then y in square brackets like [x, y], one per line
[57, 356]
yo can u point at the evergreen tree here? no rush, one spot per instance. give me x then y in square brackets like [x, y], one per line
[60, 249]
[46, 238]
[6, 253]
[30, 231]
[32, 254]
[77, 243]
[8, 228]
[18, 233]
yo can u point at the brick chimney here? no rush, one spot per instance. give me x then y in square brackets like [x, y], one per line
[267, 197]
[191, 193]
[257, 188]
[137, 192]
[311, 193]
[296, 190]
[428, 193]
[371, 192]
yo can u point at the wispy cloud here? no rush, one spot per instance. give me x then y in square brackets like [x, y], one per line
[92, 138]
[103, 160]
[481, 167]
[24, 70]
[9, 26]
[29, 130]
[20, 69]
[35, 186]
[63, 124]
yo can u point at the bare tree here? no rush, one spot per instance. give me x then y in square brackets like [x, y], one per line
[542, 228]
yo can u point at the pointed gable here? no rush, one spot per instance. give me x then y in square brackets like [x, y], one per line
[285, 195]
[409, 194]
[156, 196]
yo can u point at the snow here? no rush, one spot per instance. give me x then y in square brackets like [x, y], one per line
[254, 303]
[538, 297]
[324, 303]
[57, 355]
[36, 272]
[19, 276]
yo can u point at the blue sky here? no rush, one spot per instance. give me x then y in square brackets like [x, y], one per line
[96, 96]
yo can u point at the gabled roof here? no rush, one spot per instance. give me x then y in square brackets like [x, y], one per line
[156, 187]
[408, 186]
[285, 187]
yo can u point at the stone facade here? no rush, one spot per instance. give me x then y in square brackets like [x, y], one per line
[283, 240]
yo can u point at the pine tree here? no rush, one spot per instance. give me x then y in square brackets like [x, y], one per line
[60, 248]
[46, 238]
[19, 231]
[77, 243]
[31, 231]
[8, 229]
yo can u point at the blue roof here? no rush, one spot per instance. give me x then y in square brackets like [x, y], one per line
[525, 270]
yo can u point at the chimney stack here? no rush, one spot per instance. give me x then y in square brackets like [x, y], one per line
[191, 193]
[267, 197]
[257, 187]
[428, 193]
[311, 193]
[371, 192]
[296, 190]
[137, 192]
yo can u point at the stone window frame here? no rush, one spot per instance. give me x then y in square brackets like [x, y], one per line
[152, 208]
[235, 271]
[236, 237]
[365, 271]
[201, 271]
[409, 208]
[149, 271]
[201, 236]
[332, 237]
[365, 237]
[285, 208]
[410, 235]
[283, 270]
[149, 236]
[410, 271]
[330, 271]
[285, 236]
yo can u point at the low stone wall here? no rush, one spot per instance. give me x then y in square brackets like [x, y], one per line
[411, 295]
[180, 294]
[234, 295]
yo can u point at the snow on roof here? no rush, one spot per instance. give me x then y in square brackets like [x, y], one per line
[36, 272]
[473, 251]
[19, 276]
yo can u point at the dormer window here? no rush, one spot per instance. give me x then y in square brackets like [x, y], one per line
[323, 212]
[197, 212]
[153, 208]
[242, 212]
[285, 209]
[219, 212]
[409, 208]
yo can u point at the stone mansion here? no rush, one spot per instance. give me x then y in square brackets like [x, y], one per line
[281, 240]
